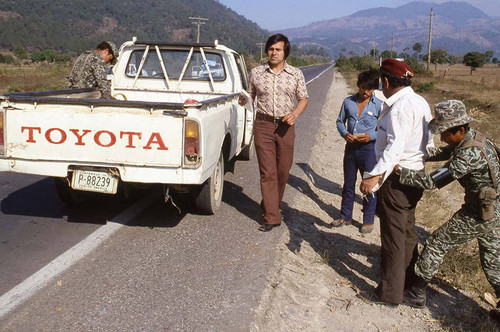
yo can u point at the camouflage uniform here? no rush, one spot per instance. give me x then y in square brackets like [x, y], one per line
[469, 166]
[89, 71]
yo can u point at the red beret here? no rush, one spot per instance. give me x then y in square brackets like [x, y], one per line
[398, 68]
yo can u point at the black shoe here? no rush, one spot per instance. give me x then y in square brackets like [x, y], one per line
[416, 295]
[267, 227]
[413, 300]
[495, 315]
[372, 298]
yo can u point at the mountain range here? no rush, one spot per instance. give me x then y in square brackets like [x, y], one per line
[458, 27]
[76, 25]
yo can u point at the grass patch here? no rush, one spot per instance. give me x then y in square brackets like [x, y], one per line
[33, 77]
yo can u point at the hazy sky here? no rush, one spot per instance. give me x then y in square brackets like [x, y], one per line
[282, 14]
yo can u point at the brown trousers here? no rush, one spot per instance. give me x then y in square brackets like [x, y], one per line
[396, 205]
[274, 144]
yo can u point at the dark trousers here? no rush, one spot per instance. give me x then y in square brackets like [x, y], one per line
[274, 145]
[396, 210]
[357, 157]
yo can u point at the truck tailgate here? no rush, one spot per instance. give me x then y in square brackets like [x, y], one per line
[94, 136]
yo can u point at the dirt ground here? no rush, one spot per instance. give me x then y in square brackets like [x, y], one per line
[321, 269]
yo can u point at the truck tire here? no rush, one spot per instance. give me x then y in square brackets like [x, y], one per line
[248, 151]
[67, 194]
[209, 198]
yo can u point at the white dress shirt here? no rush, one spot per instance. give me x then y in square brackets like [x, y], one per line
[402, 134]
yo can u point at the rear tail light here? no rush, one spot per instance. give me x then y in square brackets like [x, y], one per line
[191, 143]
[2, 148]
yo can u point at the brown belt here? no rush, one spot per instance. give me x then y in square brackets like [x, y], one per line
[265, 117]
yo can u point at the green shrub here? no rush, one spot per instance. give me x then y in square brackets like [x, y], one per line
[425, 87]
[358, 63]
[14, 88]
[417, 67]
[344, 64]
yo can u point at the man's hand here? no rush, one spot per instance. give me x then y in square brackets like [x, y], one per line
[364, 138]
[242, 100]
[367, 185]
[349, 138]
[289, 119]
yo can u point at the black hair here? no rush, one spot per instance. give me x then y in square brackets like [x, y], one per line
[276, 39]
[453, 130]
[394, 81]
[104, 45]
[369, 78]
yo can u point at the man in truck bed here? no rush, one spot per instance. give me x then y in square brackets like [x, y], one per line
[89, 69]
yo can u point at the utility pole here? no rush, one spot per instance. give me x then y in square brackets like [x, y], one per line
[374, 53]
[392, 45]
[261, 45]
[198, 22]
[429, 45]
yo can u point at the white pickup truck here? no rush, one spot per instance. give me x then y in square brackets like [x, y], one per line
[173, 122]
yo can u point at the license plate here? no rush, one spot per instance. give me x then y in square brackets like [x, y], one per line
[101, 182]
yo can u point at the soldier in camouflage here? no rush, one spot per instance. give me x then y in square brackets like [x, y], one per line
[89, 69]
[474, 162]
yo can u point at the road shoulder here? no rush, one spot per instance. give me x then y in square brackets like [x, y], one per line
[320, 270]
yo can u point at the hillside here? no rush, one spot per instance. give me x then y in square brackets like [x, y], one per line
[77, 25]
[457, 26]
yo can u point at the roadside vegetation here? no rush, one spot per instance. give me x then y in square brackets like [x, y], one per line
[36, 77]
[481, 94]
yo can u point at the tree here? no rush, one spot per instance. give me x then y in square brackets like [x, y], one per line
[438, 55]
[489, 55]
[474, 60]
[374, 53]
[388, 54]
[36, 57]
[20, 52]
[417, 47]
[404, 54]
[49, 55]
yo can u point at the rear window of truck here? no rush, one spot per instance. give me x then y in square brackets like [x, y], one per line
[174, 61]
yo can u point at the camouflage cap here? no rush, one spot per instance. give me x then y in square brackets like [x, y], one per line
[115, 52]
[448, 114]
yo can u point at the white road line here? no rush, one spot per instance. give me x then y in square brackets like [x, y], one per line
[20, 293]
[311, 80]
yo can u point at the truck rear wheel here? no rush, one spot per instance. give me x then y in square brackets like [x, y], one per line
[209, 198]
[67, 194]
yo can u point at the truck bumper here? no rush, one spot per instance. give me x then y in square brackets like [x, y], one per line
[139, 174]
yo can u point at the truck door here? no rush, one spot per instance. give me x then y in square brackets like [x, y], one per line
[248, 108]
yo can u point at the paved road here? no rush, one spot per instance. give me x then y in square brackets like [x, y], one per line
[163, 270]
